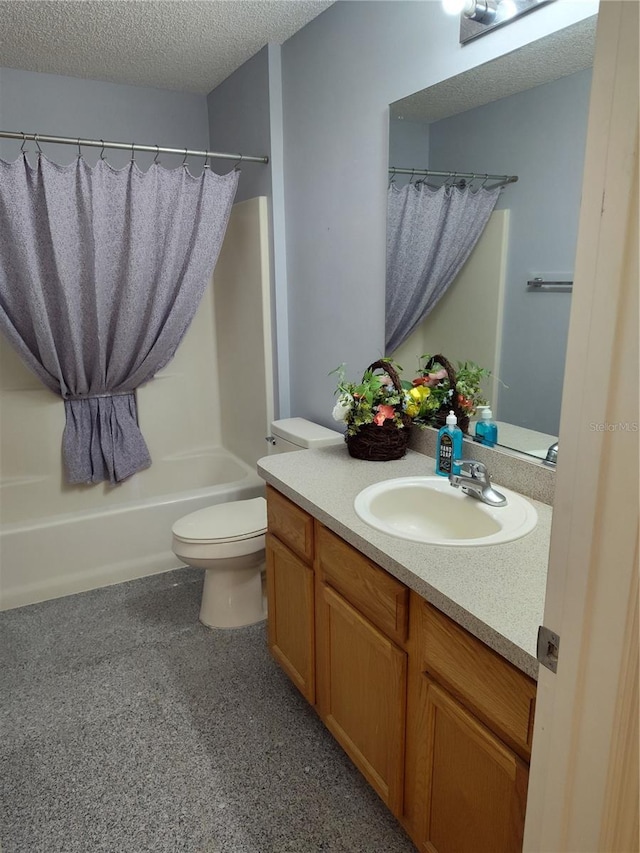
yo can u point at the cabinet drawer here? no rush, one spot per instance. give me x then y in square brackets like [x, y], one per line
[290, 524]
[499, 693]
[374, 592]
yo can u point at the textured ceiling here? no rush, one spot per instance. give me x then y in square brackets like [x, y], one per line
[564, 52]
[188, 45]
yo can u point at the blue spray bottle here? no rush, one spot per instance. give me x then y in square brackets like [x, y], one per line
[449, 447]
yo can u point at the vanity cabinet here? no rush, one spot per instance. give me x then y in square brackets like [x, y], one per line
[472, 788]
[469, 728]
[439, 724]
[290, 591]
[361, 666]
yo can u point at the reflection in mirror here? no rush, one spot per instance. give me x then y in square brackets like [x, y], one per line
[525, 115]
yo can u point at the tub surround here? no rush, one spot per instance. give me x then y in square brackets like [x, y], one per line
[495, 592]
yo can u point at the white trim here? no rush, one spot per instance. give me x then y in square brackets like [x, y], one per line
[280, 287]
[594, 535]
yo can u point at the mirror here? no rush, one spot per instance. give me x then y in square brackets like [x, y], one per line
[522, 114]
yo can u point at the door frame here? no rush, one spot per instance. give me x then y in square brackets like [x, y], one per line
[583, 792]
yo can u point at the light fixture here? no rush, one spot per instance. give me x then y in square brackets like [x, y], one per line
[483, 11]
[478, 17]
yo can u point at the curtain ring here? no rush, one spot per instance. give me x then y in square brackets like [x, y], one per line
[237, 165]
[133, 156]
[206, 160]
[24, 142]
[35, 136]
[79, 149]
[155, 159]
[486, 178]
[184, 159]
[413, 171]
[102, 150]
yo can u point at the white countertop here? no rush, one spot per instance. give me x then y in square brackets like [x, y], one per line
[495, 592]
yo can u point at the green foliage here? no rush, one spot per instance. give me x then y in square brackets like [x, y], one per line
[359, 402]
[469, 375]
[417, 401]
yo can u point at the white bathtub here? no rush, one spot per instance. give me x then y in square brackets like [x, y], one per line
[126, 534]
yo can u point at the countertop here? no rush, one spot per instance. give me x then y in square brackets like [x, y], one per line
[495, 592]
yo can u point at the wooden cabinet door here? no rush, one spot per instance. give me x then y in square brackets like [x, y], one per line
[362, 693]
[291, 618]
[474, 786]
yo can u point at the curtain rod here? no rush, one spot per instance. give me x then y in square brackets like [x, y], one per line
[470, 176]
[128, 146]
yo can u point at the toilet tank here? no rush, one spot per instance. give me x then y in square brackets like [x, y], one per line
[300, 434]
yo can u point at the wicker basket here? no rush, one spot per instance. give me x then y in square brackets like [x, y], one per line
[440, 416]
[381, 443]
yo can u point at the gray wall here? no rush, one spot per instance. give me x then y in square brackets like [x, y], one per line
[245, 116]
[538, 135]
[408, 147]
[70, 106]
[239, 121]
[339, 74]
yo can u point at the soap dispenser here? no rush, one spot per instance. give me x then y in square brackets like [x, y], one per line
[449, 447]
[486, 428]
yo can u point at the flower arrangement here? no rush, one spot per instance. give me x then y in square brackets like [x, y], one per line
[447, 389]
[376, 399]
[383, 400]
[374, 412]
[378, 410]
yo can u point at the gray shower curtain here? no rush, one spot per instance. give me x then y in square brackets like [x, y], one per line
[101, 273]
[430, 235]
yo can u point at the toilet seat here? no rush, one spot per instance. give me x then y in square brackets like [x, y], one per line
[235, 521]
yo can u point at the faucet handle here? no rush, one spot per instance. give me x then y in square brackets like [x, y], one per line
[476, 470]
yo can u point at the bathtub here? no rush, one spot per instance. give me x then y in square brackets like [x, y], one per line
[104, 535]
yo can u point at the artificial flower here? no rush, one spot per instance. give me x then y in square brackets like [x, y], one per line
[384, 413]
[431, 379]
[342, 408]
[419, 393]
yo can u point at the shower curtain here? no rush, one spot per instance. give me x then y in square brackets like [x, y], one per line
[101, 273]
[430, 235]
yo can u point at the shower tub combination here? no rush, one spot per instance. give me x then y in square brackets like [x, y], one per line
[57, 539]
[129, 536]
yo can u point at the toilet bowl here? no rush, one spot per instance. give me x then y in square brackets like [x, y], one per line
[228, 540]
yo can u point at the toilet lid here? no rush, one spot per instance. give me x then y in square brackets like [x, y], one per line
[226, 522]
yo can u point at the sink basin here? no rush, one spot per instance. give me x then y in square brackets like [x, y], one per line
[429, 509]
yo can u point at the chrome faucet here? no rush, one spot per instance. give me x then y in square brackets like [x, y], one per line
[474, 481]
[552, 454]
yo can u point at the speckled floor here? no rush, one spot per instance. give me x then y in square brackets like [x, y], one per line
[127, 727]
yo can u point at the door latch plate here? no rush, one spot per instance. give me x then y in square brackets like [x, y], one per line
[548, 647]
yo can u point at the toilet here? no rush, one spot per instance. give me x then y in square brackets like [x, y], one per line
[228, 540]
